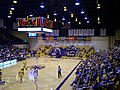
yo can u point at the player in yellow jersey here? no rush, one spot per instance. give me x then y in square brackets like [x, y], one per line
[24, 63]
[0, 75]
[21, 74]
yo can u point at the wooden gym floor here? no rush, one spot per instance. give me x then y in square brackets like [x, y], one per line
[47, 78]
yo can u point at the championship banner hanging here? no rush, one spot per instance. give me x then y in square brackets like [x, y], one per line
[102, 32]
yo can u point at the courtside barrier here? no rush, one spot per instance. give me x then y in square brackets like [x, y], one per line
[8, 63]
[67, 77]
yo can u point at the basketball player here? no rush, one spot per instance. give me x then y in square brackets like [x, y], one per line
[24, 63]
[35, 74]
[21, 74]
[36, 60]
[0, 75]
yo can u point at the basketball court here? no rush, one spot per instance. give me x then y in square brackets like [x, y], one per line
[47, 78]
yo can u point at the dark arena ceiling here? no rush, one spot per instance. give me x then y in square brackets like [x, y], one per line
[108, 12]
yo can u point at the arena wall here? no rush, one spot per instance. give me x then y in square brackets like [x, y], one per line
[111, 41]
[35, 43]
[100, 42]
[21, 35]
[96, 42]
[22, 45]
[117, 34]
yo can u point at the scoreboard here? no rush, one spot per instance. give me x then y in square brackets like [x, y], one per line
[34, 22]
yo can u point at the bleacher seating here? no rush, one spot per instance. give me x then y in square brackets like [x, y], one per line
[100, 72]
[12, 52]
[64, 51]
[44, 50]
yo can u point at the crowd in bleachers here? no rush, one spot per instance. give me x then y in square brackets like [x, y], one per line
[43, 50]
[13, 52]
[100, 72]
[86, 52]
[69, 51]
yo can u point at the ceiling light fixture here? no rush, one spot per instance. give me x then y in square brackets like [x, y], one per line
[87, 21]
[14, 1]
[48, 16]
[82, 12]
[63, 18]
[98, 22]
[85, 17]
[55, 20]
[31, 15]
[77, 2]
[98, 7]
[79, 22]
[68, 22]
[12, 8]
[55, 14]
[76, 19]
[10, 11]
[9, 16]
[65, 8]
[98, 18]
[63, 23]
[71, 14]
[42, 5]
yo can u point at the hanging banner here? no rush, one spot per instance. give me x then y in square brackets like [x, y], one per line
[80, 32]
[47, 34]
[52, 33]
[71, 32]
[57, 34]
[85, 32]
[102, 32]
[91, 32]
[75, 32]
